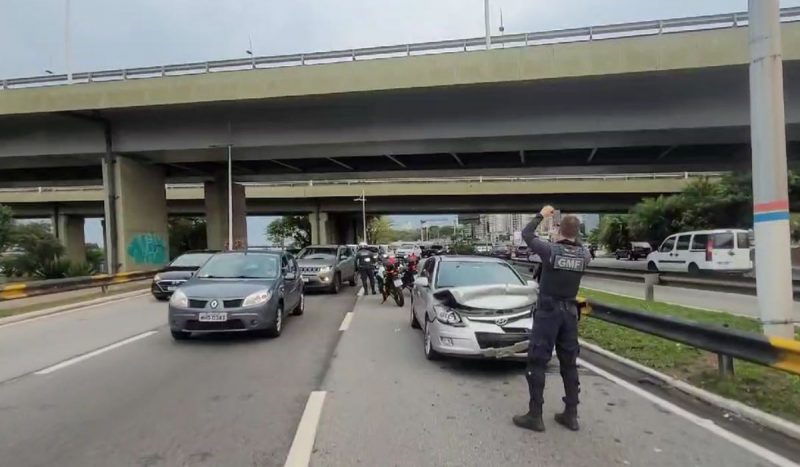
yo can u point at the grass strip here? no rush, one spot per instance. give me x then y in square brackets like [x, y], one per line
[765, 388]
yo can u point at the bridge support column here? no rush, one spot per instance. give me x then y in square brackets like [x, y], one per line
[320, 228]
[140, 213]
[216, 202]
[69, 230]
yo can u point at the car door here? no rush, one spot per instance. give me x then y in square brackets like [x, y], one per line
[350, 262]
[424, 295]
[665, 259]
[343, 263]
[681, 254]
[290, 292]
[297, 284]
[741, 257]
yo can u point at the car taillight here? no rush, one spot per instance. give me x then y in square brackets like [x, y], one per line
[709, 248]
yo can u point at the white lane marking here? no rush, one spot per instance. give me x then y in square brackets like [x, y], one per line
[303, 443]
[94, 353]
[76, 309]
[709, 425]
[346, 321]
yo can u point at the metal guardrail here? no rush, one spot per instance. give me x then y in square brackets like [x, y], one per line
[19, 290]
[478, 179]
[591, 33]
[745, 285]
[782, 354]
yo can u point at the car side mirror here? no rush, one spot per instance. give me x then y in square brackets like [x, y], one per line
[421, 282]
[290, 276]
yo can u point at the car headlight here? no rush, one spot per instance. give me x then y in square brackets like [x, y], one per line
[157, 277]
[179, 299]
[447, 316]
[324, 269]
[262, 296]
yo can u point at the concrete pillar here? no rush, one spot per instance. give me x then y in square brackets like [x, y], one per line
[142, 236]
[70, 232]
[216, 202]
[320, 228]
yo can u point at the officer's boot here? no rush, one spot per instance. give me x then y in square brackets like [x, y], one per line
[569, 417]
[531, 420]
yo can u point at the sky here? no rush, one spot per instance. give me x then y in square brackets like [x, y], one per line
[108, 34]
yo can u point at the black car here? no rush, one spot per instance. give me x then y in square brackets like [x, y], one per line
[236, 291]
[635, 251]
[177, 272]
[501, 251]
[433, 250]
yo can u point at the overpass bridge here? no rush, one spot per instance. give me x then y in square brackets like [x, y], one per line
[660, 96]
[611, 193]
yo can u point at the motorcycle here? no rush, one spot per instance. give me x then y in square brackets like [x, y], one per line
[393, 286]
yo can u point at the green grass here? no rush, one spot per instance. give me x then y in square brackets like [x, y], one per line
[770, 390]
[71, 300]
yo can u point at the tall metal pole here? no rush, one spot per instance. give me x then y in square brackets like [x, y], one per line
[67, 57]
[486, 24]
[364, 214]
[770, 186]
[230, 199]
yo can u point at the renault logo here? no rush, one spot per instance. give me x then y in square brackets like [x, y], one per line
[213, 304]
[501, 322]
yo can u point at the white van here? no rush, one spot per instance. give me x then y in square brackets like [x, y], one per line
[726, 250]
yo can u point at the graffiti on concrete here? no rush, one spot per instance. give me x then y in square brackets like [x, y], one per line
[147, 248]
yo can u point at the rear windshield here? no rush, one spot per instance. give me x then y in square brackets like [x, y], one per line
[723, 241]
[742, 240]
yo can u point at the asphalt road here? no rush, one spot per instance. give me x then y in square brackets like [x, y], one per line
[221, 401]
[387, 405]
[107, 386]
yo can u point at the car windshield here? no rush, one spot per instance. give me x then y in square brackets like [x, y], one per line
[317, 253]
[465, 273]
[191, 260]
[241, 266]
[407, 246]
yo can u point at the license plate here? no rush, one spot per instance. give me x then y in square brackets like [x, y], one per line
[171, 288]
[398, 283]
[305, 279]
[213, 317]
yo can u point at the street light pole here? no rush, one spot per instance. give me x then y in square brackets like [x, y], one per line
[364, 214]
[486, 24]
[230, 199]
[67, 58]
[770, 186]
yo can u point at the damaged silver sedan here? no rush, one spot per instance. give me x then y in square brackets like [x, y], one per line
[470, 306]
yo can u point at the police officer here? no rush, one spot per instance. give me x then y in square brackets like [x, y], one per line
[555, 321]
[366, 261]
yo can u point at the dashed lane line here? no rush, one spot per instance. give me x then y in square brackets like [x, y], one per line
[303, 443]
[94, 353]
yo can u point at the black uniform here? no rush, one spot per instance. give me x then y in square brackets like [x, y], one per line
[555, 320]
[366, 262]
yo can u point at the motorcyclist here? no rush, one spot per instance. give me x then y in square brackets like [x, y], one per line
[411, 269]
[390, 272]
[555, 320]
[366, 262]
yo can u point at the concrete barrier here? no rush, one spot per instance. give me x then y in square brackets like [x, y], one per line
[30, 289]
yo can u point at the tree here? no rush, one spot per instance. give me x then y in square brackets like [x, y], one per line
[6, 227]
[379, 230]
[613, 232]
[39, 253]
[186, 233]
[653, 219]
[296, 229]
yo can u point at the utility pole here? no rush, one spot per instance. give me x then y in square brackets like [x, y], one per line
[487, 25]
[770, 186]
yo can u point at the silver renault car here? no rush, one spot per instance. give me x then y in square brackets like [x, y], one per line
[236, 291]
[472, 306]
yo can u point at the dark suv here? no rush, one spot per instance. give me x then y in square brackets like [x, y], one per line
[177, 272]
[634, 252]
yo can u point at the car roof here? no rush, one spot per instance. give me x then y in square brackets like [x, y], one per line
[325, 246]
[471, 259]
[252, 252]
[714, 231]
[189, 252]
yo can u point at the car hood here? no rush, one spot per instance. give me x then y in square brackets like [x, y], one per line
[315, 262]
[224, 288]
[489, 297]
[176, 274]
